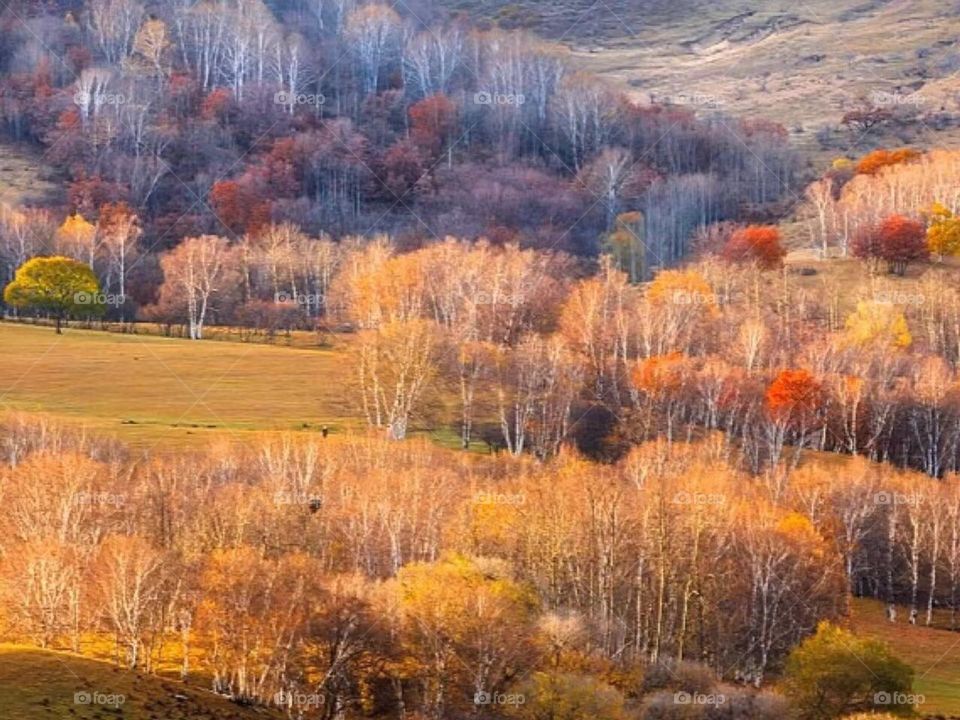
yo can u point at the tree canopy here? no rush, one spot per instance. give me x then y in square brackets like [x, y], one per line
[56, 286]
[835, 673]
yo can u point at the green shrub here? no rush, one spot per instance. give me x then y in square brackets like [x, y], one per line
[835, 673]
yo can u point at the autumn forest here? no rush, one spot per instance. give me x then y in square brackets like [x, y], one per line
[555, 401]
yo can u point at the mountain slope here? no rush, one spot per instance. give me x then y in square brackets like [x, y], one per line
[803, 64]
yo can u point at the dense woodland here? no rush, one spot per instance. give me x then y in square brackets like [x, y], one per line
[400, 578]
[357, 118]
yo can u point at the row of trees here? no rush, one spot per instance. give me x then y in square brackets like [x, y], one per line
[721, 345]
[382, 577]
[848, 207]
[535, 357]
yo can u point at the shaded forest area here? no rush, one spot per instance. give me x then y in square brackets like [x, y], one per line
[351, 119]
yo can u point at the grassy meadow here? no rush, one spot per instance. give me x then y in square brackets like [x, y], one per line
[147, 390]
[933, 652]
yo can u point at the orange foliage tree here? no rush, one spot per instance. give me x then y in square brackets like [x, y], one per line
[872, 163]
[760, 244]
[237, 208]
[793, 394]
[793, 401]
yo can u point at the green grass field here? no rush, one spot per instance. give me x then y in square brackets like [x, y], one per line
[47, 685]
[148, 390]
[934, 654]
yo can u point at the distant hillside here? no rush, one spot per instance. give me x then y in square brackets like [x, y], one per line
[803, 64]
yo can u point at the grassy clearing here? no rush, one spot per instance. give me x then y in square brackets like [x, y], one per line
[933, 652]
[146, 390]
[48, 685]
[847, 281]
[21, 176]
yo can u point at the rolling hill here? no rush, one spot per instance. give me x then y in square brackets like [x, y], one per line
[801, 64]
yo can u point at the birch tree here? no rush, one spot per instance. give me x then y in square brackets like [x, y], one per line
[113, 24]
[194, 273]
[395, 365]
[374, 32]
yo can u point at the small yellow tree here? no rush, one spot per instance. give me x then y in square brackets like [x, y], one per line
[57, 287]
[77, 237]
[943, 233]
[681, 287]
[881, 323]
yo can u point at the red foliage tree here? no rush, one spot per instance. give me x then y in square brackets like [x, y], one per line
[902, 241]
[756, 244]
[898, 241]
[793, 397]
[239, 209]
[433, 123]
[231, 204]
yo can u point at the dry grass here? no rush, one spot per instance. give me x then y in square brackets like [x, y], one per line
[848, 281]
[146, 390]
[21, 181]
[46, 685]
[934, 653]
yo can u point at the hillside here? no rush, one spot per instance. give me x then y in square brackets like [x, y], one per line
[802, 64]
[545, 360]
[47, 685]
[21, 176]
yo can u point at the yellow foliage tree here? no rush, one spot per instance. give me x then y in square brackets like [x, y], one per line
[468, 622]
[880, 323]
[943, 233]
[150, 49]
[681, 287]
[77, 237]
